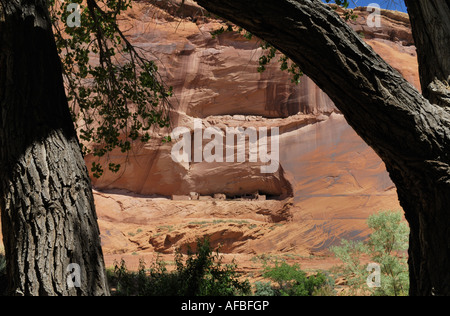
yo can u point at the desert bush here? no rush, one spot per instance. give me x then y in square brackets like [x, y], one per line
[201, 274]
[263, 289]
[386, 246]
[292, 281]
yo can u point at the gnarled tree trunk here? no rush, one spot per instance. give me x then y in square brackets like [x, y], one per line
[48, 215]
[408, 131]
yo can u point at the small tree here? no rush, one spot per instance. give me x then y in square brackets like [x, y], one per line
[350, 253]
[387, 246]
[204, 274]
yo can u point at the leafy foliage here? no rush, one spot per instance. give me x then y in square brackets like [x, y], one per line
[115, 93]
[386, 246]
[201, 274]
[264, 289]
[348, 14]
[292, 281]
[350, 253]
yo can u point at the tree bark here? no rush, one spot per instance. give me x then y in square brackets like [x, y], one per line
[410, 133]
[47, 206]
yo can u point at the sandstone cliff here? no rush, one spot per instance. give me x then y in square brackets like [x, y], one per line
[329, 180]
[215, 79]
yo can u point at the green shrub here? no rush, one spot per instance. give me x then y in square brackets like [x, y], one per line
[387, 247]
[263, 289]
[201, 274]
[292, 281]
[204, 274]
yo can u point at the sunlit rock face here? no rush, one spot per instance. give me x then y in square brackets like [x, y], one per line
[216, 80]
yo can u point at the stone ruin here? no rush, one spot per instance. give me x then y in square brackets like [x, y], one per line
[194, 196]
